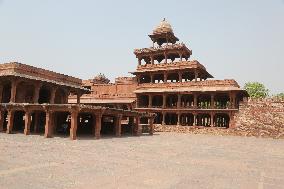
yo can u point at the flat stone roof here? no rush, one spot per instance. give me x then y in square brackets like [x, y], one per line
[30, 72]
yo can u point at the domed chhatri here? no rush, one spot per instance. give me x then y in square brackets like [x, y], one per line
[163, 27]
[101, 79]
[163, 33]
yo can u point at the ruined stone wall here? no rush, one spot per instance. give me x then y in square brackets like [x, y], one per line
[263, 117]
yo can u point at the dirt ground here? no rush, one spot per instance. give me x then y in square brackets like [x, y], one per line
[165, 160]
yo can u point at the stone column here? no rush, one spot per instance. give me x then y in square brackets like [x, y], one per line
[178, 121]
[27, 123]
[74, 125]
[14, 84]
[36, 92]
[52, 95]
[98, 126]
[166, 57]
[139, 61]
[194, 119]
[118, 125]
[48, 124]
[195, 75]
[138, 127]
[79, 94]
[179, 101]
[180, 77]
[164, 100]
[10, 123]
[150, 101]
[195, 100]
[165, 77]
[152, 60]
[164, 118]
[212, 101]
[2, 119]
[212, 119]
[151, 125]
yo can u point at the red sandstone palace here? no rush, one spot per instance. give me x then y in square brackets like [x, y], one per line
[179, 91]
[167, 89]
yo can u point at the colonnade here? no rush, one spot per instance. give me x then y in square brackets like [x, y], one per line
[150, 59]
[165, 77]
[192, 100]
[34, 117]
[207, 119]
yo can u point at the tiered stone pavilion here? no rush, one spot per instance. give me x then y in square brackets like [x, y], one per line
[177, 89]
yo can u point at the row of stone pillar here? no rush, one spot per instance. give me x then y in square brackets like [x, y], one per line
[165, 79]
[152, 58]
[194, 119]
[195, 100]
[49, 124]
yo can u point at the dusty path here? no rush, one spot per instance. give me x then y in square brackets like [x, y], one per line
[165, 160]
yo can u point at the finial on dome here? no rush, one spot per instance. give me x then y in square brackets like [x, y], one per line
[163, 27]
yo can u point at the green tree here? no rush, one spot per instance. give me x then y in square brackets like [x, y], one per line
[280, 95]
[256, 90]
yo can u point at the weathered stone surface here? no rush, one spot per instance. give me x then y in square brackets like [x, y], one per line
[263, 118]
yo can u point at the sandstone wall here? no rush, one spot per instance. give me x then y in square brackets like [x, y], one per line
[264, 117]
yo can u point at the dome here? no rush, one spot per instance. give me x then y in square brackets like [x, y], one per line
[101, 79]
[163, 27]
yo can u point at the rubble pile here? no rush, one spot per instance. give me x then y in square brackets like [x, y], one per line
[192, 129]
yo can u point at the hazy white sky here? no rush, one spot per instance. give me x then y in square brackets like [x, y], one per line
[243, 39]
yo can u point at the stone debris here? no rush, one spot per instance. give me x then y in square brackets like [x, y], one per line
[259, 118]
